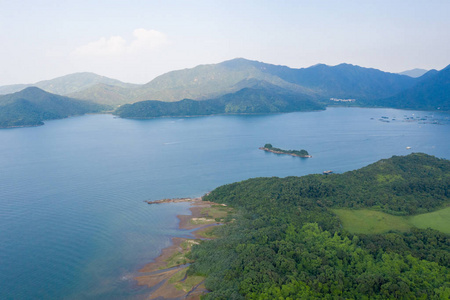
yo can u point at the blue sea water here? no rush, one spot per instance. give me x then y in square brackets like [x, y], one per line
[73, 222]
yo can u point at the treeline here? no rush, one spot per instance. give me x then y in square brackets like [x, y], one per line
[286, 242]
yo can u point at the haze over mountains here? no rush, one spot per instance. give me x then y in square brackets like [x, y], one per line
[430, 93]
[414, 72]
[67, 84]
[246, 86]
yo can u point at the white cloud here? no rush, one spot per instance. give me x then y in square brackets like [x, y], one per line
[144, 40]
[112, 46]
[138, 57]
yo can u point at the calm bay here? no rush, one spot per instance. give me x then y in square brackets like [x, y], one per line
[73, 222]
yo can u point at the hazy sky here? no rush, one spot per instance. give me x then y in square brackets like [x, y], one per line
[135, 41]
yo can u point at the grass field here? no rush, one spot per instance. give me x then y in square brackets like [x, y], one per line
[218, 211]
[371, 221]
[439, 220]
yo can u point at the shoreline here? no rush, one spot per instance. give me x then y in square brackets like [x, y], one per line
[157, 274]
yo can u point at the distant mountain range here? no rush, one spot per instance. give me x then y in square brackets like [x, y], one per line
[246, 86]
[68, 84]
[430, 93]
[211, 81]
[214, 80]
[414, 72]
[32, 106]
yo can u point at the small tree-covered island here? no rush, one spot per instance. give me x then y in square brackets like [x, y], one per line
[380, 232]
[299, 153]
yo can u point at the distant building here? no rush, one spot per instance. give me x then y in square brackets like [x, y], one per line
[342, 100]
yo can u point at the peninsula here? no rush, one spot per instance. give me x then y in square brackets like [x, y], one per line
[382, 228]
[270, 148]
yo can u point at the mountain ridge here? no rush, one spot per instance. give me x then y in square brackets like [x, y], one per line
[322, 81]
[213, 80]
[367, 86]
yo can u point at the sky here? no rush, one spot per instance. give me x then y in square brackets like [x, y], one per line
[136, 41]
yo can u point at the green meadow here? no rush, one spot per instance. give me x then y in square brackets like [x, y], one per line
[439, 220]
[370, 221]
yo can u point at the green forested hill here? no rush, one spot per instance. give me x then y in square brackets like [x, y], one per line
[32, 106]
[430, 93]
[286, 243]
[245, 101]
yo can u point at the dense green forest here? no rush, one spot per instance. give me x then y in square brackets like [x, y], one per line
[245, 101]
[284, 241]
